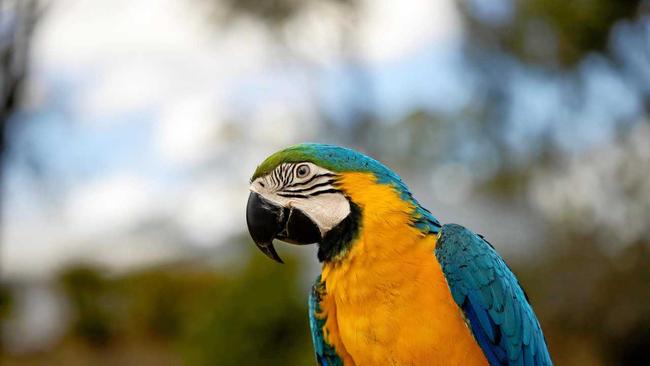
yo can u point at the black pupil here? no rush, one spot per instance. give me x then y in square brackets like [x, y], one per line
[302, 171]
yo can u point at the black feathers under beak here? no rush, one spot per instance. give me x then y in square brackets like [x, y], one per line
[267, 221]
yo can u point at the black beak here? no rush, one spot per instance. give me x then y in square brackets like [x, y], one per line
[267, 221]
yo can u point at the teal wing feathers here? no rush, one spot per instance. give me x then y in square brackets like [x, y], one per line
[495, 306]
[325, 353]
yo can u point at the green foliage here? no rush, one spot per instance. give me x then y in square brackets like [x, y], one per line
[256, 315]
[257, 318]
[158, 302]
[551, 32]
[86, 291]
[5, 301]
[594, 306]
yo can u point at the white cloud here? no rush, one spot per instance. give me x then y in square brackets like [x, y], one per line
[141, 54]
[188, 130]
[212, 210]
[82, 30]
[122, 89]
[387, 29]
[112, 203]
[394, 28]
[281, 124]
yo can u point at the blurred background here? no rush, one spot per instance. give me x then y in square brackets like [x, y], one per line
[129, 130]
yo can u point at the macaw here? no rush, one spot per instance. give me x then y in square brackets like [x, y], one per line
[396, 286]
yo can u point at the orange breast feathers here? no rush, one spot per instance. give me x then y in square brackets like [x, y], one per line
[387, 301]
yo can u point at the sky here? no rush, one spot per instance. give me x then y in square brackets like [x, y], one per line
[139, 111]
[144, 120]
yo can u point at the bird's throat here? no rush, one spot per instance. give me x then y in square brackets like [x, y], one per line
[337, 242]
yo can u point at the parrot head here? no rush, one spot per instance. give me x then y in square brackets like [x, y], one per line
[296, 196]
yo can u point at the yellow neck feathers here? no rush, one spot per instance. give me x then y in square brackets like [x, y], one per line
[385, 231]
[386, 301]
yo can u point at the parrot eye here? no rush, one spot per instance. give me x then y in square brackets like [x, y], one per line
[302, 171]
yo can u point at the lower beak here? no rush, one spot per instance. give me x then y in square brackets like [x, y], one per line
[267, 221]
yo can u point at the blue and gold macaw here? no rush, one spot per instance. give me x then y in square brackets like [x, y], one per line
[396, 287]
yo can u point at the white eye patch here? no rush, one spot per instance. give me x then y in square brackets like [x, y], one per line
[307, 187]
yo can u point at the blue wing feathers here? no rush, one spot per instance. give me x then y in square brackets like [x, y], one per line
[493, 355]
[494, 304]
[325, 353]
[492, 300]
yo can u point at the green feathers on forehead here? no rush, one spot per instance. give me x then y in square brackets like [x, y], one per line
[334, 158]
[292, 154]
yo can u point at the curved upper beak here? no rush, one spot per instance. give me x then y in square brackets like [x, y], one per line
[267, 221]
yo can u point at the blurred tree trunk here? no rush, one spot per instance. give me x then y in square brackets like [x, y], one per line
[17, 20]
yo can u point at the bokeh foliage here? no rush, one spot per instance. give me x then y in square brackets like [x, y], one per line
[594, 307]
[253, 315]
[549, 32]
